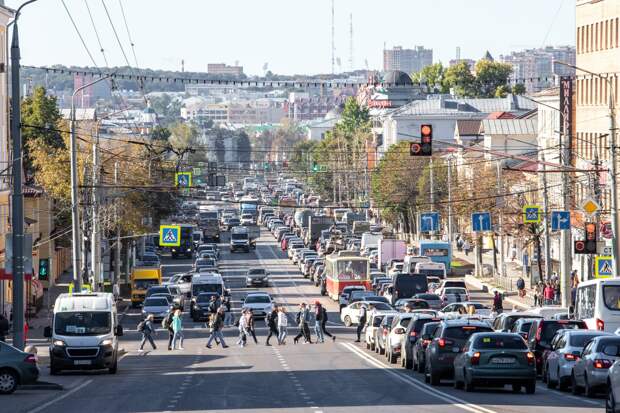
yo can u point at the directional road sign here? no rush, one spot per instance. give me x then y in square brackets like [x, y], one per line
[429, 221]
[481, 221]
[603, 267]
[531, 214]
[183, 179]
[560, 220]
[169, 236]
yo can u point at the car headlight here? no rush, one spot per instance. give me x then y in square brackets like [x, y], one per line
[106, 342]
[59, 343]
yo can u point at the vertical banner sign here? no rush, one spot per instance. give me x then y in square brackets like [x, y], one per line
[566, 105]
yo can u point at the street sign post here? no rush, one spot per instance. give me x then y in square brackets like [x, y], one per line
[429, 221]
[169, 236]
[603, 267]
[481, 221]
[560, 220]
[531, 214]
[183, 179]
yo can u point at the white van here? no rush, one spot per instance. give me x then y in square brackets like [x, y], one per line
[431, 269]
[411, 261]
[84, 333]
[597, 302]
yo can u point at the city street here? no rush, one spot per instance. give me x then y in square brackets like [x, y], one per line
[336, 376]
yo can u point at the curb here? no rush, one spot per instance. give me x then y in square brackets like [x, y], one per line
[42, 385]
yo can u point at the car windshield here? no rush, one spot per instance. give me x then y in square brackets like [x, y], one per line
[455, 291]
[156, 302]
[580, 340]
[82, 323]
[156, 290]
[464, 332]
[257, 299]
[381, 306]
[206, 288]
[144, 284]
[204, 298]
[611, 296]
[610, 348]
[239, 236]
[499, 342]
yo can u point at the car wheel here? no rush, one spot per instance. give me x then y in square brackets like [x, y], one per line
[8, 381]
[54, 371]
[114, 368]
[589, 391]
[434, 378]
[516, 388]
[347, 321]
[372, 347]
[420, 367]
[427, 378]
[408, 364]
[530, 388]
[610, 402]
[562, 382]
[469, 383]
[574, 387]
[458, 384]
[550, 384]
[367, 346]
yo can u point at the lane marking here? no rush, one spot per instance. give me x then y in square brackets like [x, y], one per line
[59, 398]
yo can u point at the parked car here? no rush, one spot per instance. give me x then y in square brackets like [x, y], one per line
[16, 368]
[372, 325]
[411, 336]
[495, 359]
[398, 328]
[592, 369]
[419, 348]
[351, 313]
[381, 334]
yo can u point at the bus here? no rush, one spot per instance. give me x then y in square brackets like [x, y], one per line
[597, 302]
[437, 251]
[343, 269]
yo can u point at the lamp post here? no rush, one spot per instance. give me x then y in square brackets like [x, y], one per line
[75, 213]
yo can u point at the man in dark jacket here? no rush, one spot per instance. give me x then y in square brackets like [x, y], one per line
[324, 322]
[272, 319]
[217, 323]
[498, 305]
[362, 322]
[4, 327]
[167, 323]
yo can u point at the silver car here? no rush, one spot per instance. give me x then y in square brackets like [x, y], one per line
[158, 306]
[565, 352]
[592, 369]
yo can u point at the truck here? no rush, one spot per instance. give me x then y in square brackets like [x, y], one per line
[359, 227]
[301, 218]
[249, 206]
[350, 217]
[186, 247]
[391, 249]
[317, 224]
[210, 230]
[370, 240]
[244, 237]
[141, 279]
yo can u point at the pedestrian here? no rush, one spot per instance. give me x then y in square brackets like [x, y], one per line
[282, 325]
[146, 328]
[167, 324]
[177, 326]
[548, 294]
[459, 243]
[538, 294]
[303, 317]
[249, 315]
[513, 253]
[272, 323]
[216, 328]
[521, 287]
[243, 324]
[498, 305]
[362, 322]
[318, 318]
[557, 292]
[324, 322]
[213, 305]
[228, 314]
[466, 246]
[4, 328]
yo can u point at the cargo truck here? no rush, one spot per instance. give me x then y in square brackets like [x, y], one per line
[391, 249]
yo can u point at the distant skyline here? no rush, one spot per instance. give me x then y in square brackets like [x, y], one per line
[293, 37]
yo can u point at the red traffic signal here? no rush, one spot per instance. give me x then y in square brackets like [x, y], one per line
[425, 146]
[590, 228]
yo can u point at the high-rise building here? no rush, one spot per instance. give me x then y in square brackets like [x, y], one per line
[536, 68]
[224, 69]
[407, 60]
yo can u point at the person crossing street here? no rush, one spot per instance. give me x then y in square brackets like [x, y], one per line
[216, 328]
[272, 320]
[318, 318]
[282, 325]
[147, 330]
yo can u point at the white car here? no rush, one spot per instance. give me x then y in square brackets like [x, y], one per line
[451, 295]
[394, 338]
[396, 268]
[455, 310]
[247, 219]
[260, 303]
[292, 247]
[350, 314]
[373, 324]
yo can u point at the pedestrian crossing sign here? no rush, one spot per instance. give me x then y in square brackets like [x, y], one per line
[603, 267]
[183, 179]
[531, 214]
[169, 236]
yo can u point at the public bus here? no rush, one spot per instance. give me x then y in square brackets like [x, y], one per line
[345, 268]
[437, 251]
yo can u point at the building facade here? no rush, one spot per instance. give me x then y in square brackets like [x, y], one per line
[224, 69]
[407, 60]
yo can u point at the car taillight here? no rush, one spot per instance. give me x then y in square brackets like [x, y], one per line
[602, 364]
[475, 359]
[600, 324]
[413, 334]
[539, 332]
[31, 358]
[530, 358]
[571, 357]
[441, 342]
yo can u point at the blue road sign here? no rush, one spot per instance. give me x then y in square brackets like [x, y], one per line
[169, 235]
[429, 221]
[481, 221]
[560, 220]
[531, 214]
[603, 267]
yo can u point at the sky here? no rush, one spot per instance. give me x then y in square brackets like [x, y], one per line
[291, 36]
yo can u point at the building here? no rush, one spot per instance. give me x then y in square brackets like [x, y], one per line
[224, 69]
[88, 97]
[536, 68]
[407, 60]
[5, 15]
[470, 62]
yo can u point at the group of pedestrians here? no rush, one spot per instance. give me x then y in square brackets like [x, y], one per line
[173, 323]
[305, 317]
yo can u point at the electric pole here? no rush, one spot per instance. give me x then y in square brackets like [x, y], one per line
[450, 239]
[95, 252]
[117, 254]
[546, 224]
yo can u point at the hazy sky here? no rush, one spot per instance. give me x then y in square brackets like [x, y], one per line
[292, 36]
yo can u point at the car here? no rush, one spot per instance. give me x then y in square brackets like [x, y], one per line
[492, 359]
[412, 303]
[16, 368]
[260, 303]
[246, 219]
[541, 333]
[433, 300]
[565, 351]
[351, 313]
[158, 306]
[183, 281]
[419, 348]
[411, 336]
[343, 300]
[205, 263]
[396, 268]
[373, 325]
[450, 337]
[157, 289]
[199, 309]
[453, 294]
[257, 276]
[382, 333]
[592, 368]
[504, 322]
[150, 259]
[293, 246]
[209, 248]
[394, 338]
[457, 309]
[522, 327]
[178, 297]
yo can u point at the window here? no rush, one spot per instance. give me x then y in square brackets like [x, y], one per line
[587, 350]
[585, 301]
[606, 44]
[611, 297]
[612, 350]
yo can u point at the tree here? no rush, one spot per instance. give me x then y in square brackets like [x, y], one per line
[160, 133]
[432, 77]
[490, 76]
[353, 118]
[519, 89]
[183, 141]
[459, 78]
[502, 91]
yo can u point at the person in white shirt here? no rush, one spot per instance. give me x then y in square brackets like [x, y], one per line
[243, 325]
[282, 325]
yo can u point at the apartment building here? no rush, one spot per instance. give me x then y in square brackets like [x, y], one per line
[407, 60]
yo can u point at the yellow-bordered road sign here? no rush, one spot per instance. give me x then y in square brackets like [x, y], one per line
[169, 236]
[183, 179]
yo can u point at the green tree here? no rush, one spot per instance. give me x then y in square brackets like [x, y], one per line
[353, 118]
[160, 133]
[460, 78]
[519, 89]
[432, 77]
[490, 76]
[502, 91]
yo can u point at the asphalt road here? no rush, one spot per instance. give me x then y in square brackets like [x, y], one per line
[336, 376]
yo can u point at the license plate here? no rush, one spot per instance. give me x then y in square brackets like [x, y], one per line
[503, 360]
[82, 362]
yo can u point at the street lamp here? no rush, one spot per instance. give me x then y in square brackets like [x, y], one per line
[75, 213]
[615, 221]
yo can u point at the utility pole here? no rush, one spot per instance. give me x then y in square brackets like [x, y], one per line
[546, 213]
[502, 246]
[119, 246]
[432, 185]
[450, 239]
[95, 246]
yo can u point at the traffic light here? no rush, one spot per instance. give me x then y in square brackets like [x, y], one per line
[425, 146]
[44, 268]
[587, 246]
[315, 167]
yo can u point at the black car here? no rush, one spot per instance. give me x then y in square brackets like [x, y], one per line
[541, 333]
[419, 348]
[449, 339]
[200, 306]
[412, 335]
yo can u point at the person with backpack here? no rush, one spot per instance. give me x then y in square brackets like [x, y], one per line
[282, 325]
[166, 323]
[146, 328]
[303, 318]
[318, 318]
[272, 323]
[324, 322]
[216, 328]
[362, 323]
[213, 306]
[521, 287]
[177, 326]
